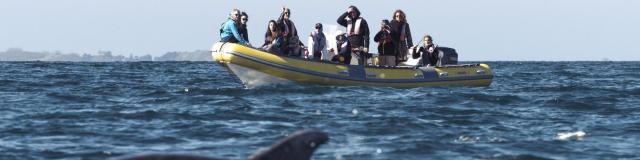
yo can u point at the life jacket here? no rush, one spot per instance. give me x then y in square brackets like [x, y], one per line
[356, 31]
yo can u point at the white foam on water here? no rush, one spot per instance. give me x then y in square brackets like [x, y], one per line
[253, 79]
[431, 121]
[354, 145]
[467, 139]
[579, 135]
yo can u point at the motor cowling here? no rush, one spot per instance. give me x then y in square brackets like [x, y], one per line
[447, 56]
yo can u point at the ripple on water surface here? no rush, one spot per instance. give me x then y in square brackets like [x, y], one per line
[63, 110]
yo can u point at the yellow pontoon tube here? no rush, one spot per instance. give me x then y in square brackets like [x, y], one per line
[255, 67]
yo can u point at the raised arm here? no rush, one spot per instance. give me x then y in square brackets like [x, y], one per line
[342, 21]
[280, 18]
[417, 52]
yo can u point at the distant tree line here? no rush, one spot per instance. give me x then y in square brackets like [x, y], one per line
[17, 54]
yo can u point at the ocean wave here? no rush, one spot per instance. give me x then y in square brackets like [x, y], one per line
[64, 110]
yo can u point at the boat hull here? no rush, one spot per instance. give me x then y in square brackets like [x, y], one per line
[255, 68]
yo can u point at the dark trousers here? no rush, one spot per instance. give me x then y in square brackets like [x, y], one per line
[317, 55]
[230, 39]
[362, 57]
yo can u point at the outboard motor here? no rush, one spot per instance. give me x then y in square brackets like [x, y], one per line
[447, 56]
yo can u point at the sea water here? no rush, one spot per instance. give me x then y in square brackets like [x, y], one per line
[554, 110]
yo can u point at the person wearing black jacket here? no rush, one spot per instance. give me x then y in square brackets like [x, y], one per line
[386, 48]
[272, 38]
[401, 35]
[428, 52]
[244, 18]
[357, 32]
[291, 44]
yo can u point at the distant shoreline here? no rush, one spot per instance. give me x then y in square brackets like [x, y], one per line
[474, 61]
[20, 55]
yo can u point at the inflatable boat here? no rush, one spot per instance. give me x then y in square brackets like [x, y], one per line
[255, 67]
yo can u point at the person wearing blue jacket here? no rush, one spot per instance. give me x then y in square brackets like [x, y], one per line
[230, 31]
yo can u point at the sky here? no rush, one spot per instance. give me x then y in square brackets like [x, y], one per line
[488, 30]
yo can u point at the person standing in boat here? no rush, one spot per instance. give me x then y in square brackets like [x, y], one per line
[272, 38]
[386, 48]
[317, 42]
[401, 35]
[230, 32]
[291, 44]
[428, 52]
[357, 32]
[344, 50]
[244, 18]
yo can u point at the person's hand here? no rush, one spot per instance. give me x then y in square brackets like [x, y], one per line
[431, 49]
[365, 50]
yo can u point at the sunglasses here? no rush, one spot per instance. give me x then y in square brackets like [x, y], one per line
[244, 19]
[398, 16]
[286, 12]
